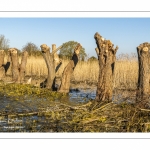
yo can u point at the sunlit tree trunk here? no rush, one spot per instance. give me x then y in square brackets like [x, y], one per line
[57, 64]
[23, 67]
[143, 88]
[106, 57]
[15, 64]
[18, 70]
[57, 60]
[68, 70]
[52, 60]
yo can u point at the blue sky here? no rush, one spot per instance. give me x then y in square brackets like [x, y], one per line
[127, 33]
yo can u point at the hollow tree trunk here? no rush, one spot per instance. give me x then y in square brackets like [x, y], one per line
[51, 60]
[107, 57]
[2, 69]
[18, 70]
[144, 71]
[65, 83]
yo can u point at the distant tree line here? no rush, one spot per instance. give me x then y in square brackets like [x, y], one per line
[65, 52]
[4, 43]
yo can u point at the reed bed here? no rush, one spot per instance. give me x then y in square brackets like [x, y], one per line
[126, 71]
[126, 74]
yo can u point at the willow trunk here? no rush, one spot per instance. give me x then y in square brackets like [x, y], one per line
[18, 70]
[68, 70]
[143, 88]
[106, 57]
[51, 60]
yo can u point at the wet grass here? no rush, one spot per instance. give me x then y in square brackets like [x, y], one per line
[18, 91]
[109, 118]
[32, 109]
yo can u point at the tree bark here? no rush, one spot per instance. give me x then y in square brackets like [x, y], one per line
[22, 67]
[52, 60]
[2, 69]
[57, 60]
[143, 88]
[18, 70]
[107, 57]
[15, 64]
[65, 83]
[8, 64]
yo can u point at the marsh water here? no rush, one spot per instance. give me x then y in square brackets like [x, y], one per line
[13, 118]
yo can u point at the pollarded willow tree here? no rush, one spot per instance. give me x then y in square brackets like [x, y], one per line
[106, 56]
[68, 70]
[18, 70]
[52, 62]
[143, 88]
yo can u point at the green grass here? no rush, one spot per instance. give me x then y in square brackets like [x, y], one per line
[17, 91]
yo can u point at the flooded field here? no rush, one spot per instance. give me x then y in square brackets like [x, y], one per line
[25, 108]
[25, 115]
[30, 114]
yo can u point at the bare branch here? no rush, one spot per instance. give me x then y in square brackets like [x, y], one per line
[56, 50]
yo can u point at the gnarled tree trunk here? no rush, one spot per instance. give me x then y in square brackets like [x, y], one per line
[143, 88]
[18, 70]
[2, 69]
[106, 57]
[52, 60]
[65, 83]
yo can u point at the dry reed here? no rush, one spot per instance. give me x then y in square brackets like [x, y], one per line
[126, 71]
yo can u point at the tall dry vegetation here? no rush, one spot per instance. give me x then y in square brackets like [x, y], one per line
[126, 71]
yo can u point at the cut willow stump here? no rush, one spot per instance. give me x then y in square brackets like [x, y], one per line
[22, 67]
[106, 57]
[2, 69]
[18, 70]
[52, 61]
[65, 83]
[143, 88]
